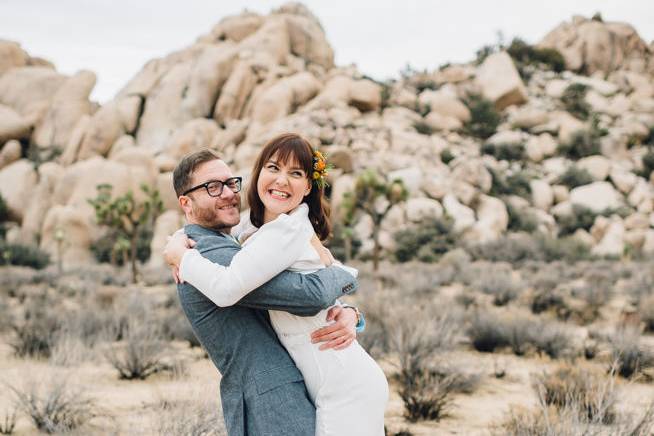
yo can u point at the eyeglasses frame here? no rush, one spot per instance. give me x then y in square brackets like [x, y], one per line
[205, 185]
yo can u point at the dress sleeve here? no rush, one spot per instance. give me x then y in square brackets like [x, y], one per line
[271, 250]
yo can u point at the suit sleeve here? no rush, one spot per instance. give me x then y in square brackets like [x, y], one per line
[299, 294]
[271, 250]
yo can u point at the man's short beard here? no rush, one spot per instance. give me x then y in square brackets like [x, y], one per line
[207, 218]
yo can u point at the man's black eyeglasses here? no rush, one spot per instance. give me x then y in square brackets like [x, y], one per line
[215, 187]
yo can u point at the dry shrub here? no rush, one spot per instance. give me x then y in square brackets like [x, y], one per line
[426, 396]
[570, 421]
[487, 332]
[8, 422]
[629, 355]
[55, 405]
[592, 394]
[426, 393]
[544, 421]
[646, 311]
[522, 333]
[141, 353]
[192, 417]
[35, 331]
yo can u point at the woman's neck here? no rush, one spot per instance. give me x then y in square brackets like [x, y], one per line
[269, 216]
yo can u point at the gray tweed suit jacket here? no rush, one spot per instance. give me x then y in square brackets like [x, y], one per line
[262, 391]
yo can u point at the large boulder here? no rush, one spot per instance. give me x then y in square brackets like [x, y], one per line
[445, 103]
[597, 166]
[612, 242]
[341, 90]
[542, 194]
[236, 28]
[165, 225]
[500, 81]
[29, 90]
[270, 45]
[79, 182]
[307, 37]
[192, 136]
[10, 153]
[188, 90]
[17, 183]
[40, 201]
[597, 196]
[11, 56]
[592, 45]
[418, 209]
[365, 95]
[235, 92]
[109, 123]
[280, 99]
[463, 216]
[492, 220]
[69, 104]
[474, 172]
[71, 229]
[13, 125]
[539, 147]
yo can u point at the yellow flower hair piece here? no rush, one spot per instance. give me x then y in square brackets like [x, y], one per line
[320, 170]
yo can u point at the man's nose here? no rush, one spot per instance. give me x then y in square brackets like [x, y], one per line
[227, 193]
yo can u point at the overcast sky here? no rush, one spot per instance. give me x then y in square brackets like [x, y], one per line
[114, 38]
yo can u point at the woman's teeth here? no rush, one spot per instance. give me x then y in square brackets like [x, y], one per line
[279, 193]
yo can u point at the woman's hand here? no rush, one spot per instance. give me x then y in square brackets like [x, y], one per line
[325, 255]
[175, 248]
[341, 333]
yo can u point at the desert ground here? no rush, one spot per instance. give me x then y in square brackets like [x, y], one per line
[67, 336]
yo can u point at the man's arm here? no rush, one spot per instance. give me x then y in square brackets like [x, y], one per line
[299, 294]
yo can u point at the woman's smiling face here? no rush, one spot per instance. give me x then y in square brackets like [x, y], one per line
[281, 186]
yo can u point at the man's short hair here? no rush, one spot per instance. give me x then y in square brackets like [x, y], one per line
[183, 172]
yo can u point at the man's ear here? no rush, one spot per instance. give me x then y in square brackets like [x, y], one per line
[185, 204]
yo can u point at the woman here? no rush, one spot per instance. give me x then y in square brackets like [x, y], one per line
[288, 218]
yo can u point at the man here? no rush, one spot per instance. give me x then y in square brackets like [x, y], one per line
[262, 390]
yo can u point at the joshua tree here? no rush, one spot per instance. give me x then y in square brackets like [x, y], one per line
[375, 196]
[127, 217]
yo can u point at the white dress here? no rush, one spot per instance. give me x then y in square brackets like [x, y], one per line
[347, 386]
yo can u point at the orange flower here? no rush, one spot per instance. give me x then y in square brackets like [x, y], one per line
[320, 165]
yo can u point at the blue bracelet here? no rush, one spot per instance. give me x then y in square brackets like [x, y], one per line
[361, 325]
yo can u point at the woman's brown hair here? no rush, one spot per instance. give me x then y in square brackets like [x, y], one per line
[287, 147]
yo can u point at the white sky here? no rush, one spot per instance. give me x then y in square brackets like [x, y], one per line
[114, 38]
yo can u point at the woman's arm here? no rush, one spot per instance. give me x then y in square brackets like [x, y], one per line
[271, 250]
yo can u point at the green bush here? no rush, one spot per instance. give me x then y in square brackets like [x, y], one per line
[582, 144]
[521, 220]
[516, 183]
[23, 255]
[648, 163]
[108, 249]
[528, 58]
[427, 242]
[484, 118]
[574, 100]
[504, 151]
[524, 54]
[580, 218]
[574, 177]
[4, 216]
[516, 248]
[423, 128]
[447, 156]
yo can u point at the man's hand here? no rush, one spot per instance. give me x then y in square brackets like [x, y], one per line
[341, 333]
[174, 250]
